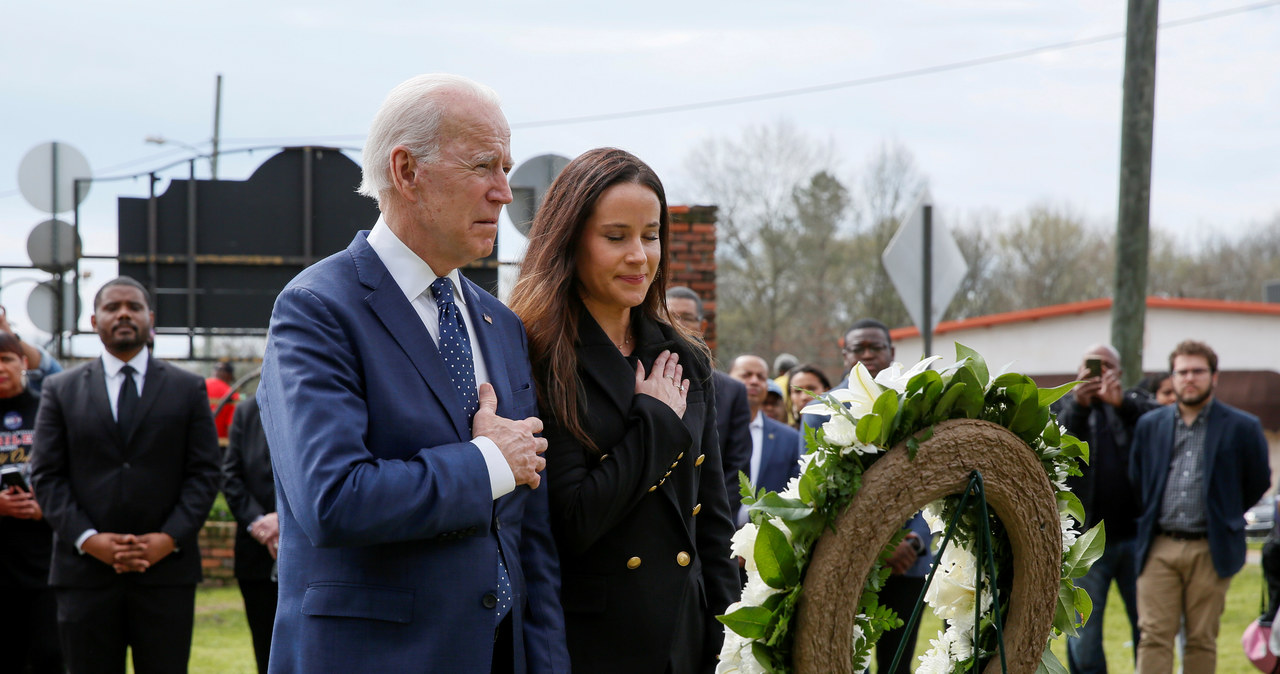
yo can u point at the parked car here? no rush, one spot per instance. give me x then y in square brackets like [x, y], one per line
[1259, 519]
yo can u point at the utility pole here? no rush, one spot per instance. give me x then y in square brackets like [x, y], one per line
[1129, 308]
[217, 124]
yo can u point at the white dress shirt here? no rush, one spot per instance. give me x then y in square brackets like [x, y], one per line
[414, 277]
[112, 379]
[757, 448]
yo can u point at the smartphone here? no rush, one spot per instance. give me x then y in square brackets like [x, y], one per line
[11, 476]
[1094, 365]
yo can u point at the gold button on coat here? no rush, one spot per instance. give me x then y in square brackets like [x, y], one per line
[653, 488]
[701, 458]
[634, 562]
[679, 456]
[697, 509]
[683, 558]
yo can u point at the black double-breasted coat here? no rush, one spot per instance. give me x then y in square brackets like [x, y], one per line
[642, 523]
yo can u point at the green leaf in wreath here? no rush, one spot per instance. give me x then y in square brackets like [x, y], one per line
[977, 364]
[766, 657]
[942, 410]
[1064, 612]
[1049, 396]
[868, 429]
[1049, 662]
[775, 560]
[1085, 551]
[886, 407]
[1052, 434]
[783, 508]
[971, 399]
[748, 621]
[806, 487]
[744, 488]
[1010, 379]
[1071, 504]
[922, 381]
[1027, 401]
[1074, 447]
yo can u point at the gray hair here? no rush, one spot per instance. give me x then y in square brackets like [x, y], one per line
[685, 293]
[411, 116]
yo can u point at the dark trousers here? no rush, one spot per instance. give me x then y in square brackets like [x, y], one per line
[31, 631]
[96, 625]
[504, 661]
[900, 593]
[260, 610]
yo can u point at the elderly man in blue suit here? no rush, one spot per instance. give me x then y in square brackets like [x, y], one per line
[400, 410]
[775, 447]
[1197, 466]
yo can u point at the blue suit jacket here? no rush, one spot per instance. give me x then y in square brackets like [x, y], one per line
[389, 537]
[779, 456]
[1237, 473]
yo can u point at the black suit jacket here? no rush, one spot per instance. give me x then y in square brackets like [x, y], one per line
[733, 425]
[161, 476]
[250, 488]
[643, 525]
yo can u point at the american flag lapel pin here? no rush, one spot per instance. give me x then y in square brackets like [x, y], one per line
[487, 318]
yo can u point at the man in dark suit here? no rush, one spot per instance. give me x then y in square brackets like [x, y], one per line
[250, 489]
[775, 447]
[1197, 467]
[733, 413]
[399, 406]
[125, 467]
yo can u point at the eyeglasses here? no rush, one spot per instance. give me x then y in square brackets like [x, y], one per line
[691, 319]
[1192, 373]
[871, 347]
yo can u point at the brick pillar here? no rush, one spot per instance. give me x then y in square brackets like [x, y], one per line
[693, 258]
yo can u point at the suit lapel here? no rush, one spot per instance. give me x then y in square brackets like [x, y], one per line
[1164, 449]
[1214, 428]
[95, 382]
[600, 359]
[400, 319]
[152, 384]
[490, 340]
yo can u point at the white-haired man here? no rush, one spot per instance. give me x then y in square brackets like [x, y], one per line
[400, 410]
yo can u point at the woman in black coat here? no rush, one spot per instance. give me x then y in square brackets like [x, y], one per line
[638, 502]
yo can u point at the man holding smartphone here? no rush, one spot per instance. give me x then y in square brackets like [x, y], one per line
[1102, 413]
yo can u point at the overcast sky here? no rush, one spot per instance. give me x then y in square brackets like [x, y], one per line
[1001, 136]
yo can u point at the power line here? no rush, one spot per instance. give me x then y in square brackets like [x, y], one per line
[772, 95]
[889, 77]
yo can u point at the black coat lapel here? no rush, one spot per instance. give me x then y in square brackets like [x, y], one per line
[152, 384]
[95, 384]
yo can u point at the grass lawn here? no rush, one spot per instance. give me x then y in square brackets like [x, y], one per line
[221, 642]
[1242, 608]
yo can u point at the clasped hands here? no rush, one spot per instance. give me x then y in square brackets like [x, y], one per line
[129, 553]
[266, 531]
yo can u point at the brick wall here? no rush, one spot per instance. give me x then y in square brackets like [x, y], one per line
[693, 258]
[217, 553]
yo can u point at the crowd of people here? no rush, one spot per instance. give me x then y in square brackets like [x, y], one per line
[428, 480]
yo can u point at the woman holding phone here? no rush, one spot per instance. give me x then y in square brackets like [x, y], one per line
[26, 541]
[638, 504]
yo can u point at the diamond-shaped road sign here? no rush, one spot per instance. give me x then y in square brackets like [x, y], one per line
[904, 261]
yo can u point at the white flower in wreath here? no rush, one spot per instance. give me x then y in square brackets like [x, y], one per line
[932, 515]
[858, 398]
[793, 489]
[952, 594]
[959, 641]
[895, 378]
[860, 638]
[1069, 533]
[735, 653]
[840, 431]
[743, 544]
[861, 449]
[936, 660]
[756, 591]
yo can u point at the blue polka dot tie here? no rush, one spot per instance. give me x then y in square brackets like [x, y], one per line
[455, 348]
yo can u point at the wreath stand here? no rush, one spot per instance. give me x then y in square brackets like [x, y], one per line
[969, 456]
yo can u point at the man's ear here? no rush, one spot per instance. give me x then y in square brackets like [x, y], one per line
[404, 173]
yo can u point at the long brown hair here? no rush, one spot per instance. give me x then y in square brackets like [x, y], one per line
[546, 296]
